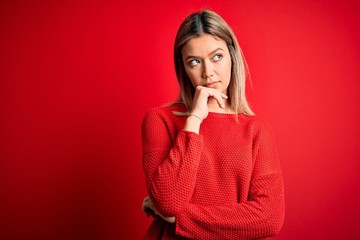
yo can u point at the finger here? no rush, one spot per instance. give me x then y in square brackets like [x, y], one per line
[199, 87]
[221, 95]
[146, 204]
[219, 98]
[149, 212]
[146, 199]
[224, 96]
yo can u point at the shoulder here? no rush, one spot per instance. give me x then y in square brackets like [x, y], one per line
[257, 125]
[254, 120]
[166, 110]
[164, 114]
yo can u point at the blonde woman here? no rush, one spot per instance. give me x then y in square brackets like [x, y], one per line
[211, 167]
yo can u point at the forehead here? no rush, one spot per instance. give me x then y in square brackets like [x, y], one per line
[203, 45]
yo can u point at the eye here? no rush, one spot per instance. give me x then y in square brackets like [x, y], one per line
[194, 62]
[217, 57]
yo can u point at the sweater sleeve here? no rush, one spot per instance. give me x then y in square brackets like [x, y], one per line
[261, 216]
[170, 163]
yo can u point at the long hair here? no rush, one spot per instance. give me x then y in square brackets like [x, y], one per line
[207, 21]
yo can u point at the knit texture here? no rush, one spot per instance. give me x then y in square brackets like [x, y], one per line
[223, 183]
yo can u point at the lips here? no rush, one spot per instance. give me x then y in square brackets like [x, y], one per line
[211, 84]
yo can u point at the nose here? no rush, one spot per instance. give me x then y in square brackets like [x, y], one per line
[208, 70]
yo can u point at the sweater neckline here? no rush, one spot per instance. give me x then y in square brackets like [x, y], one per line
[223, 115]
[218, 113]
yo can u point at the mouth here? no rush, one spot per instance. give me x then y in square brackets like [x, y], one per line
[211, 84]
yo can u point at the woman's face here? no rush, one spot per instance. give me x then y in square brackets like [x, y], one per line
[207, 62]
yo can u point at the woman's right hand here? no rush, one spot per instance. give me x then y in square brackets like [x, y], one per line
[201, 99]
[149, 209]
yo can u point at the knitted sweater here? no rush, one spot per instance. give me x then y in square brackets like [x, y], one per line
[223, 183]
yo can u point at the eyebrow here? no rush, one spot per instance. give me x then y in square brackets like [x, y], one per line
[212, 52]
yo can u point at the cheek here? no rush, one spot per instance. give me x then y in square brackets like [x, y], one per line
[225, 69]
[194, 76]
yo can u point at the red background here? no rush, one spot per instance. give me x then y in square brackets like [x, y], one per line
[77, 77]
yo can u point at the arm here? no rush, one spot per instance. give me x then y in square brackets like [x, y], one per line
[262, 215]
[170, 166]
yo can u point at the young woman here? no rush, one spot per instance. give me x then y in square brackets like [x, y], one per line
[211, 167]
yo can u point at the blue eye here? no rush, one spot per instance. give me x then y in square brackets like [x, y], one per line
[194, 62]
[217, 57]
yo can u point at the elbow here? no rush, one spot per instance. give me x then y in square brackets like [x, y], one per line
[166, 209]
[272, 218]
[167, 205]
[274, 227]
[276, 215]
[275, 221]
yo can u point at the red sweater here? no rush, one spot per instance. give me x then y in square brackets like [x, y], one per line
[223, 183]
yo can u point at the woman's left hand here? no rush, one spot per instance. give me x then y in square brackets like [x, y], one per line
[149, 209]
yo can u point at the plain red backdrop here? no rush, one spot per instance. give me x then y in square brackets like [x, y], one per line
[77, 76]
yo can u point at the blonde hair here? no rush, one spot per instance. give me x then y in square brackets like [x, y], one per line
[208, 22]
